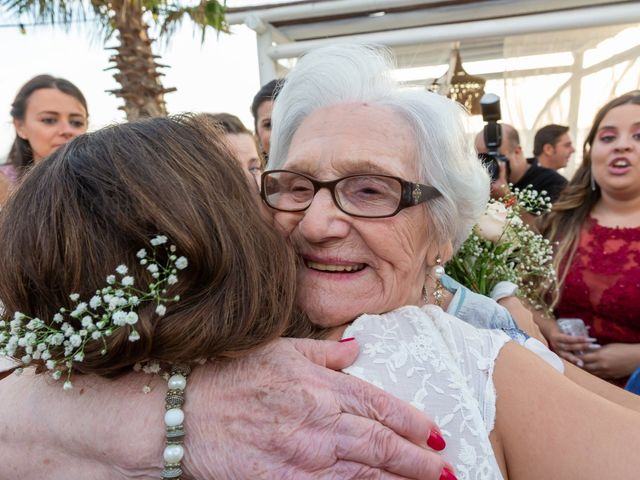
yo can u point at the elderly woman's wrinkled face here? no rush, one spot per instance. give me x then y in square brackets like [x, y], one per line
[355, 265]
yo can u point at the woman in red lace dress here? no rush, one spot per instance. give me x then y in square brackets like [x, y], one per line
[597, 224]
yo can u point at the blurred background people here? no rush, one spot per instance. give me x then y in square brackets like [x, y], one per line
[242, 143]
[261, 110]
[597, 224]
[47, 112]
[519, 172]
[552, 147]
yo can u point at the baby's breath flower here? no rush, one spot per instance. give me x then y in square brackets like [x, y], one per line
[516, 254]
[67, 385]
[158, 240]
[60, 343]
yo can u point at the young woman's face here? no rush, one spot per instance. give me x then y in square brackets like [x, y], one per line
[52, 119]
[615, 153]
[246, 152]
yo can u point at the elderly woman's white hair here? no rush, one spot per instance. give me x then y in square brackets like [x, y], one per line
[445, 154]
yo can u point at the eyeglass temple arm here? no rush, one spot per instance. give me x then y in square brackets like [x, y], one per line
[416, 193]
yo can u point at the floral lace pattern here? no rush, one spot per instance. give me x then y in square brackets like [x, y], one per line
[603, 282]
[443, 367]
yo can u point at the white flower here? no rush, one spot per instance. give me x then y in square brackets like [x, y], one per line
[158, 240]
[127, 281]
[74, 297]
[67, 385]
[57, 318]
[172, 279]
[95, 302]
[146, 389]
[153, 268]
[79, 310]
[26, 359]
[96, 335]
[78, 357]
[122, 269]
[51, 364]
[119, 318]
[141, 253]
[134, 336]
[161, 310]
[56, 375]
[181, 263]
[132, 318]
[111, 279]
[75, 340]
[492, 222]
[87, 321]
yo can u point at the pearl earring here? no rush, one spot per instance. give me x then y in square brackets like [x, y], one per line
[436, 273]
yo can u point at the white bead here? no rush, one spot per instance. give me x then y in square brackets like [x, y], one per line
[173, 453]
[173, 417]
[177, 382]
[438, 271]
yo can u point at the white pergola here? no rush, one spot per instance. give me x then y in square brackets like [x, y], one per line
[419, 32]
[422, 33]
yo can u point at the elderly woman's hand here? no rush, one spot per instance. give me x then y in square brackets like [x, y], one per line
[276, 414]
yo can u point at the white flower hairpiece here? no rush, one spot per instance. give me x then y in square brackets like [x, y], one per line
[58, 344]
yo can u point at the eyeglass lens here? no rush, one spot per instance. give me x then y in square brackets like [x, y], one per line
[366, 195]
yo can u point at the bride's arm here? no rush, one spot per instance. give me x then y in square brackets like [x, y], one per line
[549, 427]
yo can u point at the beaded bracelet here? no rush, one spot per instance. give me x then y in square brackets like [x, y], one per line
[173, 419]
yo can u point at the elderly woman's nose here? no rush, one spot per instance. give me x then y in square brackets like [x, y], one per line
[323, 219]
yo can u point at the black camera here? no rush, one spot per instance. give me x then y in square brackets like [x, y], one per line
[490, 106]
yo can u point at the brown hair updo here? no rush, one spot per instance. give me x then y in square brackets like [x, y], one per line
[99, 199]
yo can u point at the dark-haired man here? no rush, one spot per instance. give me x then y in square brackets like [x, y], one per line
[552, 146]
[521, 173]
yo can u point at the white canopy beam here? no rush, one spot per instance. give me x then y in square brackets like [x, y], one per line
[536, 23]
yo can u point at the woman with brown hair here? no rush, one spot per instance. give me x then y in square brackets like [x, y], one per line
[47, 112]
[241, 141]
[93, 206]
[596, 223]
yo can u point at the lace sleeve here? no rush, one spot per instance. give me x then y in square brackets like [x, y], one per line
[442, 366]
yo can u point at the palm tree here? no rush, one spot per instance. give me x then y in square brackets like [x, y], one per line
[137, 71]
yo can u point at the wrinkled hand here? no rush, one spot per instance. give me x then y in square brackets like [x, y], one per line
[279, 413]
[614, 360]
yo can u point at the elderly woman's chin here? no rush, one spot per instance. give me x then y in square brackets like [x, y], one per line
[335, 302]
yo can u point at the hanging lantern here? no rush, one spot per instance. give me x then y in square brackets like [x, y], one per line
[458, 85]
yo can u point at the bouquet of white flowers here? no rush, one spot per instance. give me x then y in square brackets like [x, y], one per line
[502, 247]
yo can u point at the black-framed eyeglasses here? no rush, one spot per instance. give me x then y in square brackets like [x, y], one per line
[362, 195]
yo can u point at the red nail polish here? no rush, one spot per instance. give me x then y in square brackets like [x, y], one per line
[447, 474]
[436, 441]
[346, 339]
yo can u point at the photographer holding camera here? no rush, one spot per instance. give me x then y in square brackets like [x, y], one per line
[498, 146]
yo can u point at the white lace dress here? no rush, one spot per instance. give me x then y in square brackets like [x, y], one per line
[444, 367]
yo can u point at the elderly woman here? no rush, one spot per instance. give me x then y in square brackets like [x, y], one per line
[369, 222]
[375, 188]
